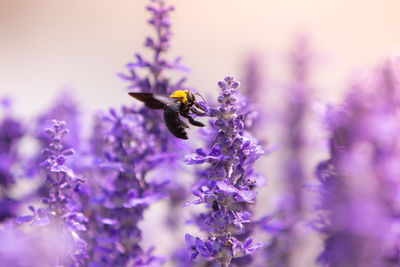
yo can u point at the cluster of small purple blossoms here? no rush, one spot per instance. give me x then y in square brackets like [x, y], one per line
[136, 147]
[62, 204]
[155, 83]
[131, 162]
[227, 188]
[65, 108]
[123, 193]
[359, 182]
[11, 132]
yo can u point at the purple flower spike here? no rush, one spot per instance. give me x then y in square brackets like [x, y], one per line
[62, 207]
[11, 132]
[359, 182]
[133, 147]
[290, 211]
[226, 187]
[66, 109]
[158, 145]
[155, 82]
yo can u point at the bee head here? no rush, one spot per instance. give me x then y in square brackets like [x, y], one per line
[181, 96]
[186, 97]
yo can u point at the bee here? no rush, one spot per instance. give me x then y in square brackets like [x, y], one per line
[180, 102]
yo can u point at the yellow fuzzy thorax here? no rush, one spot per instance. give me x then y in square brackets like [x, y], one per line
[181, 95]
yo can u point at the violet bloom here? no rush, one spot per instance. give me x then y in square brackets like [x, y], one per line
[299, 93]
[154, 79]
[229, 187]
[65, 108]
[137, 144]
[62, 204]
[252, 78]
[123, 193]
[155, 82]
[11, 132]
[253, 88]
[352, 220]
[45, 246]
[148, 75]
[291, 208]
[359, 182]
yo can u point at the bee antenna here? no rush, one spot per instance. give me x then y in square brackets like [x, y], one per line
[201, 97]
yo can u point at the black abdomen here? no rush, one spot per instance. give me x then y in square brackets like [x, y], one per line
[174, 123]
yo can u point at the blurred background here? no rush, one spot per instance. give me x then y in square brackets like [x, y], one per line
[47, 46]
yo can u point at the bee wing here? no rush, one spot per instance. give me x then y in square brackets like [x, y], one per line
[171, 102]
[148, 99]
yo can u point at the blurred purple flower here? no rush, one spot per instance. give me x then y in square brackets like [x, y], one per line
[253, 89]
[226, 188]
[148, 75]
[46, 246]
[123, 191]
[359, 183]
[139, 157]
[291, 208]
[11, 132]
[253, 78]
[62, 204]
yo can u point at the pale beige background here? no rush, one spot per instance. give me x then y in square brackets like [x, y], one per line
[46, 44]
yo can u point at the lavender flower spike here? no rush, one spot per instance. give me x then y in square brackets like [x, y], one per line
[155, 82]
[11, 132]
[62, 209]
[228, 190]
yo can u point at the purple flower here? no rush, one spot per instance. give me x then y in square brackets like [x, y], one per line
[122, 191]
[62, 204]
[46, 246]
[155, 82]
[139, 159]
[226, 188]
[253, 78]
[253, 88]
[11, 132]
[290, 211]
[149, 75]
[359, 214]
[66, 109]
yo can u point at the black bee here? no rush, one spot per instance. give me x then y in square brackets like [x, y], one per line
[180, 102]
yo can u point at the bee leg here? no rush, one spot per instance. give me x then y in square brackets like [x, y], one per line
[184, 124]
[197, 105]
[192, 121]
[195, 111]
[196, 123]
